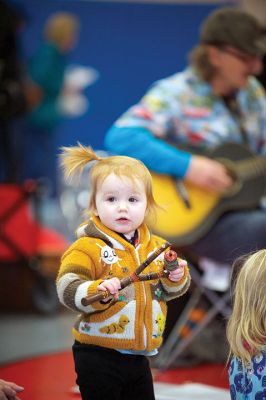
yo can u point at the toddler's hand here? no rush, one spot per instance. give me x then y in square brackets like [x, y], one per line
[112, 285]
[178, 273]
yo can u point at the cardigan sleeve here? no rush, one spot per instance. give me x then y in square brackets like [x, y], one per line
[78, 278]
[171, 290]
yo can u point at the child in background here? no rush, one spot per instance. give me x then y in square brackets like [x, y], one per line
[246, 330]
[113, 336]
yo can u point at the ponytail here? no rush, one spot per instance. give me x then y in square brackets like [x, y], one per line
[74, 159]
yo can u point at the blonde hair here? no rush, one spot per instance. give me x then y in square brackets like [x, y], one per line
[246, 328]
[61, 28]
[74, 159]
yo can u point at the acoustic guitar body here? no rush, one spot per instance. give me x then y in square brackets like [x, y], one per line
[182, 225]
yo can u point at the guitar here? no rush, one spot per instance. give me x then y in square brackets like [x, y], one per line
[182, 225]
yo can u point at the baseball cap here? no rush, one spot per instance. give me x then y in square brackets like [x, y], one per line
[234, 27]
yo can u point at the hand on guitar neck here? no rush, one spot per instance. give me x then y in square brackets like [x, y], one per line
[208, 174]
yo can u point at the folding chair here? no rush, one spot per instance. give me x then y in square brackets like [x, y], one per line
[29, 252]
[193, 319]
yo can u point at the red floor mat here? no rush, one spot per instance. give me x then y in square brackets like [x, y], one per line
[50, 377]
[47, 377]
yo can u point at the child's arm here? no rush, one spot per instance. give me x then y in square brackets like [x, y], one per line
[78, 277]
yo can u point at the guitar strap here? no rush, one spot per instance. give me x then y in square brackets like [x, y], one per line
[232, 106]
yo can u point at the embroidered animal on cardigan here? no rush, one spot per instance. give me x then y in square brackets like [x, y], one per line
[114, 327]
[160, 321]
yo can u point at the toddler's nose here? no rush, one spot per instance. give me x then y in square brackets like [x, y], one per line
[122, 206]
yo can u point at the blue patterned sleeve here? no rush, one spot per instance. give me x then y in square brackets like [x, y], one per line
[248, 383]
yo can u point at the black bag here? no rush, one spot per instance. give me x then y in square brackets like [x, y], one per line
[12, 99]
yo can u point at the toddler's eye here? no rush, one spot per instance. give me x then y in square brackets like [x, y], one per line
[132, 200]
[111, 199]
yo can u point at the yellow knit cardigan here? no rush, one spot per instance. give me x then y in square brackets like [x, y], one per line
[136, 321]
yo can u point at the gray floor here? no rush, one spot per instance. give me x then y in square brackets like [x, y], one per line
[26, 335]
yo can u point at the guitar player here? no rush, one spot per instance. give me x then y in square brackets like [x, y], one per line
[215, 100]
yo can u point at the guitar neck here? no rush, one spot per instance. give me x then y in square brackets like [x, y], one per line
[251, 167]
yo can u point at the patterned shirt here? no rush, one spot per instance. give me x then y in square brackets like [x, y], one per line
[183, 110]
[248, 383]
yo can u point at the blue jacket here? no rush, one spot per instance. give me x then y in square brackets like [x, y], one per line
[46, 68]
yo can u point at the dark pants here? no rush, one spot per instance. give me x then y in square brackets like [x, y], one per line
[235, 234]
[107, 374]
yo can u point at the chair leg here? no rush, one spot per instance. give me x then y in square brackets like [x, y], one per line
[176, 343]
[181, 344]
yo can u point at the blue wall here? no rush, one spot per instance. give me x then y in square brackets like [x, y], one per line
[131, 45]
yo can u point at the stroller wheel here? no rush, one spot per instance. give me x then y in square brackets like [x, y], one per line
[44, 296]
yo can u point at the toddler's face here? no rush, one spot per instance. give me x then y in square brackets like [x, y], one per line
[121, 203]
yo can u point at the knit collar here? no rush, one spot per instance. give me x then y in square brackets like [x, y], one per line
[114, 238]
